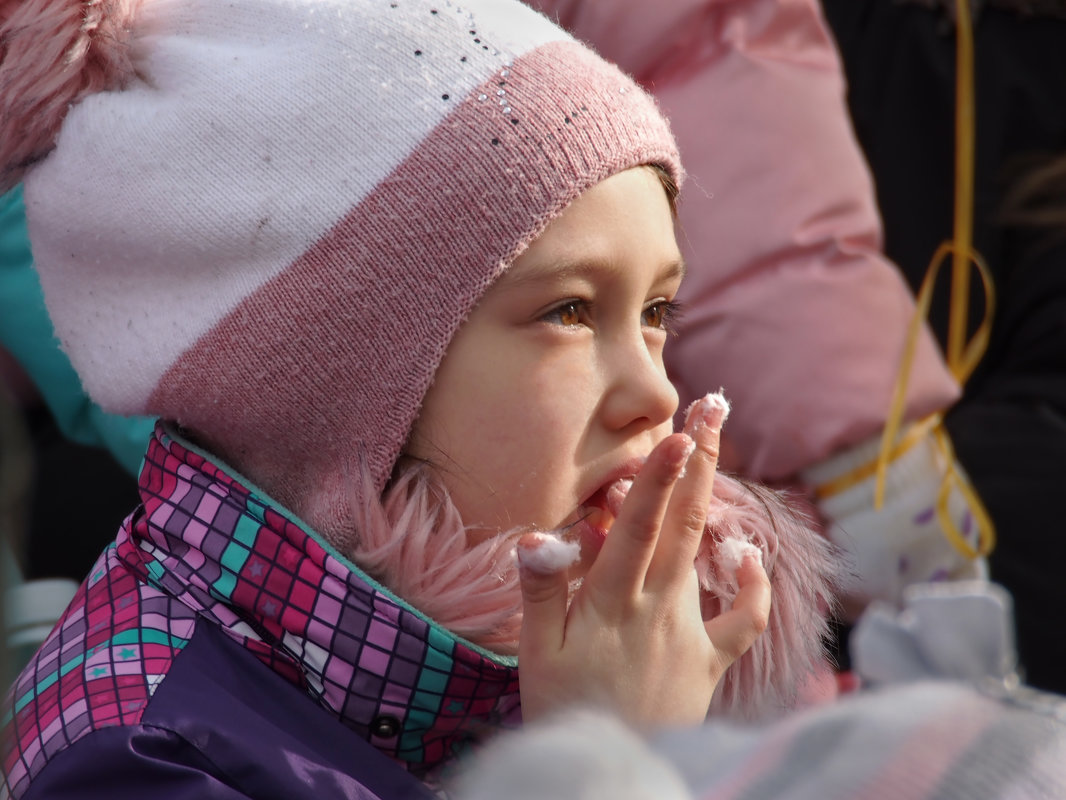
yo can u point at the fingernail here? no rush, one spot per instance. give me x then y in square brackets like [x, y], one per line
[677, 455]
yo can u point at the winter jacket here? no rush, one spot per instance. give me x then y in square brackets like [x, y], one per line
[944, 715]
[1009, 429]
[927, 740]
[788, 301]
[220, 649]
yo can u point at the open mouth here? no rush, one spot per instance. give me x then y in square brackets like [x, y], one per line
[604, 505]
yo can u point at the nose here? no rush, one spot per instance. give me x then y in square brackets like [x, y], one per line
[639, 396]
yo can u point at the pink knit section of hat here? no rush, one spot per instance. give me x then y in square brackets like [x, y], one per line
[328, 363]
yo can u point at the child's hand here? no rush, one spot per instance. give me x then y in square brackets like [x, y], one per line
[633, 639]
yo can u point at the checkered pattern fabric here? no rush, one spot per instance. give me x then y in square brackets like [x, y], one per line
[206, 549]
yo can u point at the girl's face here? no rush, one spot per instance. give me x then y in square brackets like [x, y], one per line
[554, 389]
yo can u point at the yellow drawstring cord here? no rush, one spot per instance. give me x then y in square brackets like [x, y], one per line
[962, 356]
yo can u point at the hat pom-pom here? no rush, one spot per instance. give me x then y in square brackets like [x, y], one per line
[52, 54]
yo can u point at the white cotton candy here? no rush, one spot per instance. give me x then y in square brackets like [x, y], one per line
[703, 404]
[732, 551]
[717, 400]
[551, 554]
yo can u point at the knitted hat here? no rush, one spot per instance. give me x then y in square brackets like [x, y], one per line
[266, 219]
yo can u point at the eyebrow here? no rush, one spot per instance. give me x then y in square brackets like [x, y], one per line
[556, 270]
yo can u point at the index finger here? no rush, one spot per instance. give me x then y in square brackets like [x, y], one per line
[622, 564]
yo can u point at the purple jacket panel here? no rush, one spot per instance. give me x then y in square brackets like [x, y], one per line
[328, 671]
[221, 727]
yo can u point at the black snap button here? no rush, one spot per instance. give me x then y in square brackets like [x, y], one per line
[385, 727]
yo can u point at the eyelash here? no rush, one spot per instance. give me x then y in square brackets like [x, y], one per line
[670, 313]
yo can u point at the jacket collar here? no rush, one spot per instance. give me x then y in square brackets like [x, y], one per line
[221, 546]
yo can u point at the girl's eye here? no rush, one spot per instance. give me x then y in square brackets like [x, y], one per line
[568, 314]
[661, 315]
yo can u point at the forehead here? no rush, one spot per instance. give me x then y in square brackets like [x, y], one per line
[624, 220]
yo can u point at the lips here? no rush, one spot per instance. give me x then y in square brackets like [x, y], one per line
[598, 512]
[603, 506]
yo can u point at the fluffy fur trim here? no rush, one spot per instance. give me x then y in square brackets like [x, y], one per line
[805, 571]
[414, 542]
[52, 54]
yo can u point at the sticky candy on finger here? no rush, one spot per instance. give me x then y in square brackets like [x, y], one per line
[711, 409]
[546, 554]
[731, 553]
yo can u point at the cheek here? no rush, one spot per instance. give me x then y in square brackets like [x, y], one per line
[526, 440]
[553, 394]
[509, 422]
[533, 422]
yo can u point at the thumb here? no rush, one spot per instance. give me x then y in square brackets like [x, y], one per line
[542, 568]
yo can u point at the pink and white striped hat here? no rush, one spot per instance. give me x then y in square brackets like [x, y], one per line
[265, 219]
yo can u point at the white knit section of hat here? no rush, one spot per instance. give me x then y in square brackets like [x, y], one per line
[165, 204]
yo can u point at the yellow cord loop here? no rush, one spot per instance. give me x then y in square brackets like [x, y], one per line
[962, 356]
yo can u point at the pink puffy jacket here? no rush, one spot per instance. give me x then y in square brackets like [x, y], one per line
[789, 304]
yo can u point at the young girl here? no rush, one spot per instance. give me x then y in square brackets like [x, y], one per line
[398, 277]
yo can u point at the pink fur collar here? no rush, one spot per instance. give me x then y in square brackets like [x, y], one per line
[414, 542]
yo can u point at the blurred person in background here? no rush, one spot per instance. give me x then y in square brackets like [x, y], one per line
[1009, 428]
